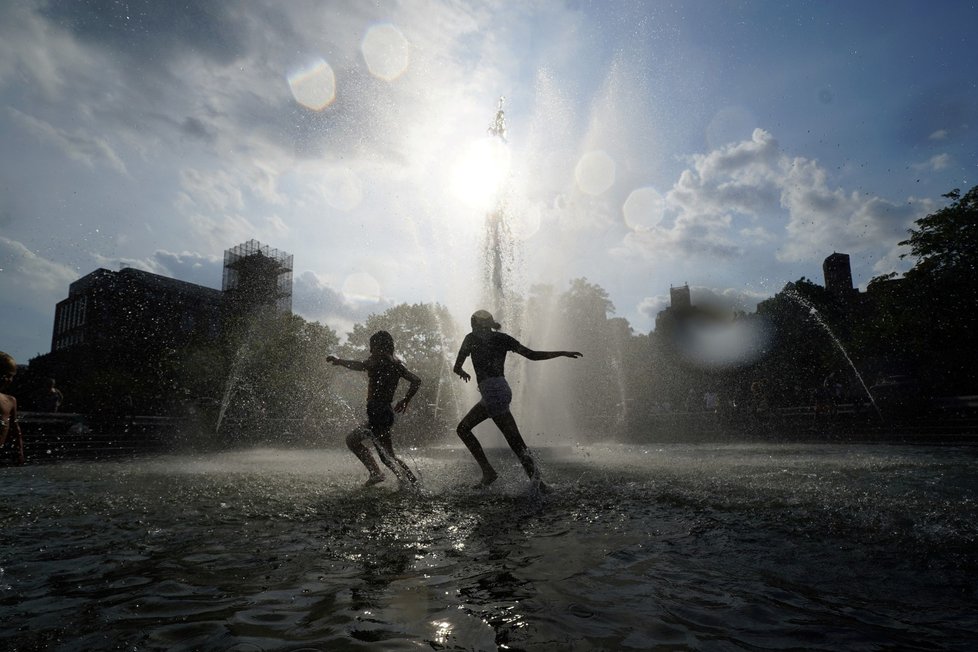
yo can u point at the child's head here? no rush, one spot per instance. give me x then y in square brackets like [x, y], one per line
[484, 319]
[8, 369]
[382, 342]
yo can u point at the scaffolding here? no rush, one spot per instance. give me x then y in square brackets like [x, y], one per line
[258, 275]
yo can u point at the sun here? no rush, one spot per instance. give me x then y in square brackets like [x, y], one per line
[480, 172]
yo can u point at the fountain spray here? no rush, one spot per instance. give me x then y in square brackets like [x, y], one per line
[499, 247]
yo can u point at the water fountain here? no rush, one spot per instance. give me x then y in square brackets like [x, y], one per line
[499, 248]
[817, 317]
[667, 546]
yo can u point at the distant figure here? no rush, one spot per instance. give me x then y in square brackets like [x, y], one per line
[488, 349]
[384, 371]
[710, 401]
[8, 407]
[49, 398]
[758, 399]
[831, 393]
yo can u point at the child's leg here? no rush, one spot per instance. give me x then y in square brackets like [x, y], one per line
[385, 448]
[476, 415]
[354, 442]
[507, 424]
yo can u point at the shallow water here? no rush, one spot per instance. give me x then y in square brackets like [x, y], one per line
[722, 547]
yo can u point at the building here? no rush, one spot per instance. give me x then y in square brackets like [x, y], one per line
[837, 272]
[679, 297]
[680, 303]
[119, 338]
[105, 308]
[255, 276]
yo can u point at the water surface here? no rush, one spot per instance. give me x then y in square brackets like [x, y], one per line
[722, 547]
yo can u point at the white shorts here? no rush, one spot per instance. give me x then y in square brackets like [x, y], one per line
[496, 395]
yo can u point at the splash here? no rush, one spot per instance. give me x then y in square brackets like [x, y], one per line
[234, 375]
[817, 316]
[500, 249]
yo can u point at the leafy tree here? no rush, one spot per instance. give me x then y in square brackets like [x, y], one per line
[945, 243]
[275, 369]
[936, 307]
[807, 327]
[595, 384]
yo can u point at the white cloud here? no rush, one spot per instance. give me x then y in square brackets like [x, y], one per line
[186, 266]
[726, 299]
[314, 298]
[30, 285]
[31, 277]
[37, 52]
[935, 163]
[77, 144]
[751, 194]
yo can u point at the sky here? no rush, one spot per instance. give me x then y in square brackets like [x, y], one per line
[728, 145]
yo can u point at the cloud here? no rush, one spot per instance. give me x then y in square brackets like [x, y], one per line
[744, 195]
[314, 299]
[187, 266]
[77, 144]
[725, 299]
[153, 32]
[28, 278]
[30, 285]
[935, 163]
[652, 306]
[35, 54]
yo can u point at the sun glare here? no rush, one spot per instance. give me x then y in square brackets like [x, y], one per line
[480, 172]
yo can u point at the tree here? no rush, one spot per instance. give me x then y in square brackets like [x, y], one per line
[945, 242]
[807, 328]
[274, 370]
[596, 398]
[938, 314]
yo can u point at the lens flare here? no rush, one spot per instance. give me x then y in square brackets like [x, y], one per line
[361, 286]
[386, 52]
[643, 209]
[314, 86]
[722, 344]
[595, 172]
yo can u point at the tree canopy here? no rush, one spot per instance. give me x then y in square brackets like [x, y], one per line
[946, 241]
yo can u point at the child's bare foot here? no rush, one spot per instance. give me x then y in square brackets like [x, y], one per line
[374, 479]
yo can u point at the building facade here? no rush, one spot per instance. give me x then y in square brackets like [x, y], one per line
[106, 308]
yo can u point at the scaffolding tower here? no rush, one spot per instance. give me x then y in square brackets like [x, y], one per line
[256, 275]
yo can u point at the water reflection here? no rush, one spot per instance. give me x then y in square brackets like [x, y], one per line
[756, 546]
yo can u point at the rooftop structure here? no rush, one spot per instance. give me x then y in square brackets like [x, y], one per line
[257, 275]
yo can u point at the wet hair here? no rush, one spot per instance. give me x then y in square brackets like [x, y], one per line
[7, 362]
[382, 342]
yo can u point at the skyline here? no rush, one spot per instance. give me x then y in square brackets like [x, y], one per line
[730, 146]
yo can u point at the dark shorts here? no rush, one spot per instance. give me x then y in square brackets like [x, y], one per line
[380, 417]
[496, 395]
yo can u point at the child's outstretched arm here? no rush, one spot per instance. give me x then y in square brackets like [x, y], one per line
[530, 354]
[412, 390]
[353, 365]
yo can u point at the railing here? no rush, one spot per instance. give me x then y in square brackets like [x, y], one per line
[61, 435]
[71, 435]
